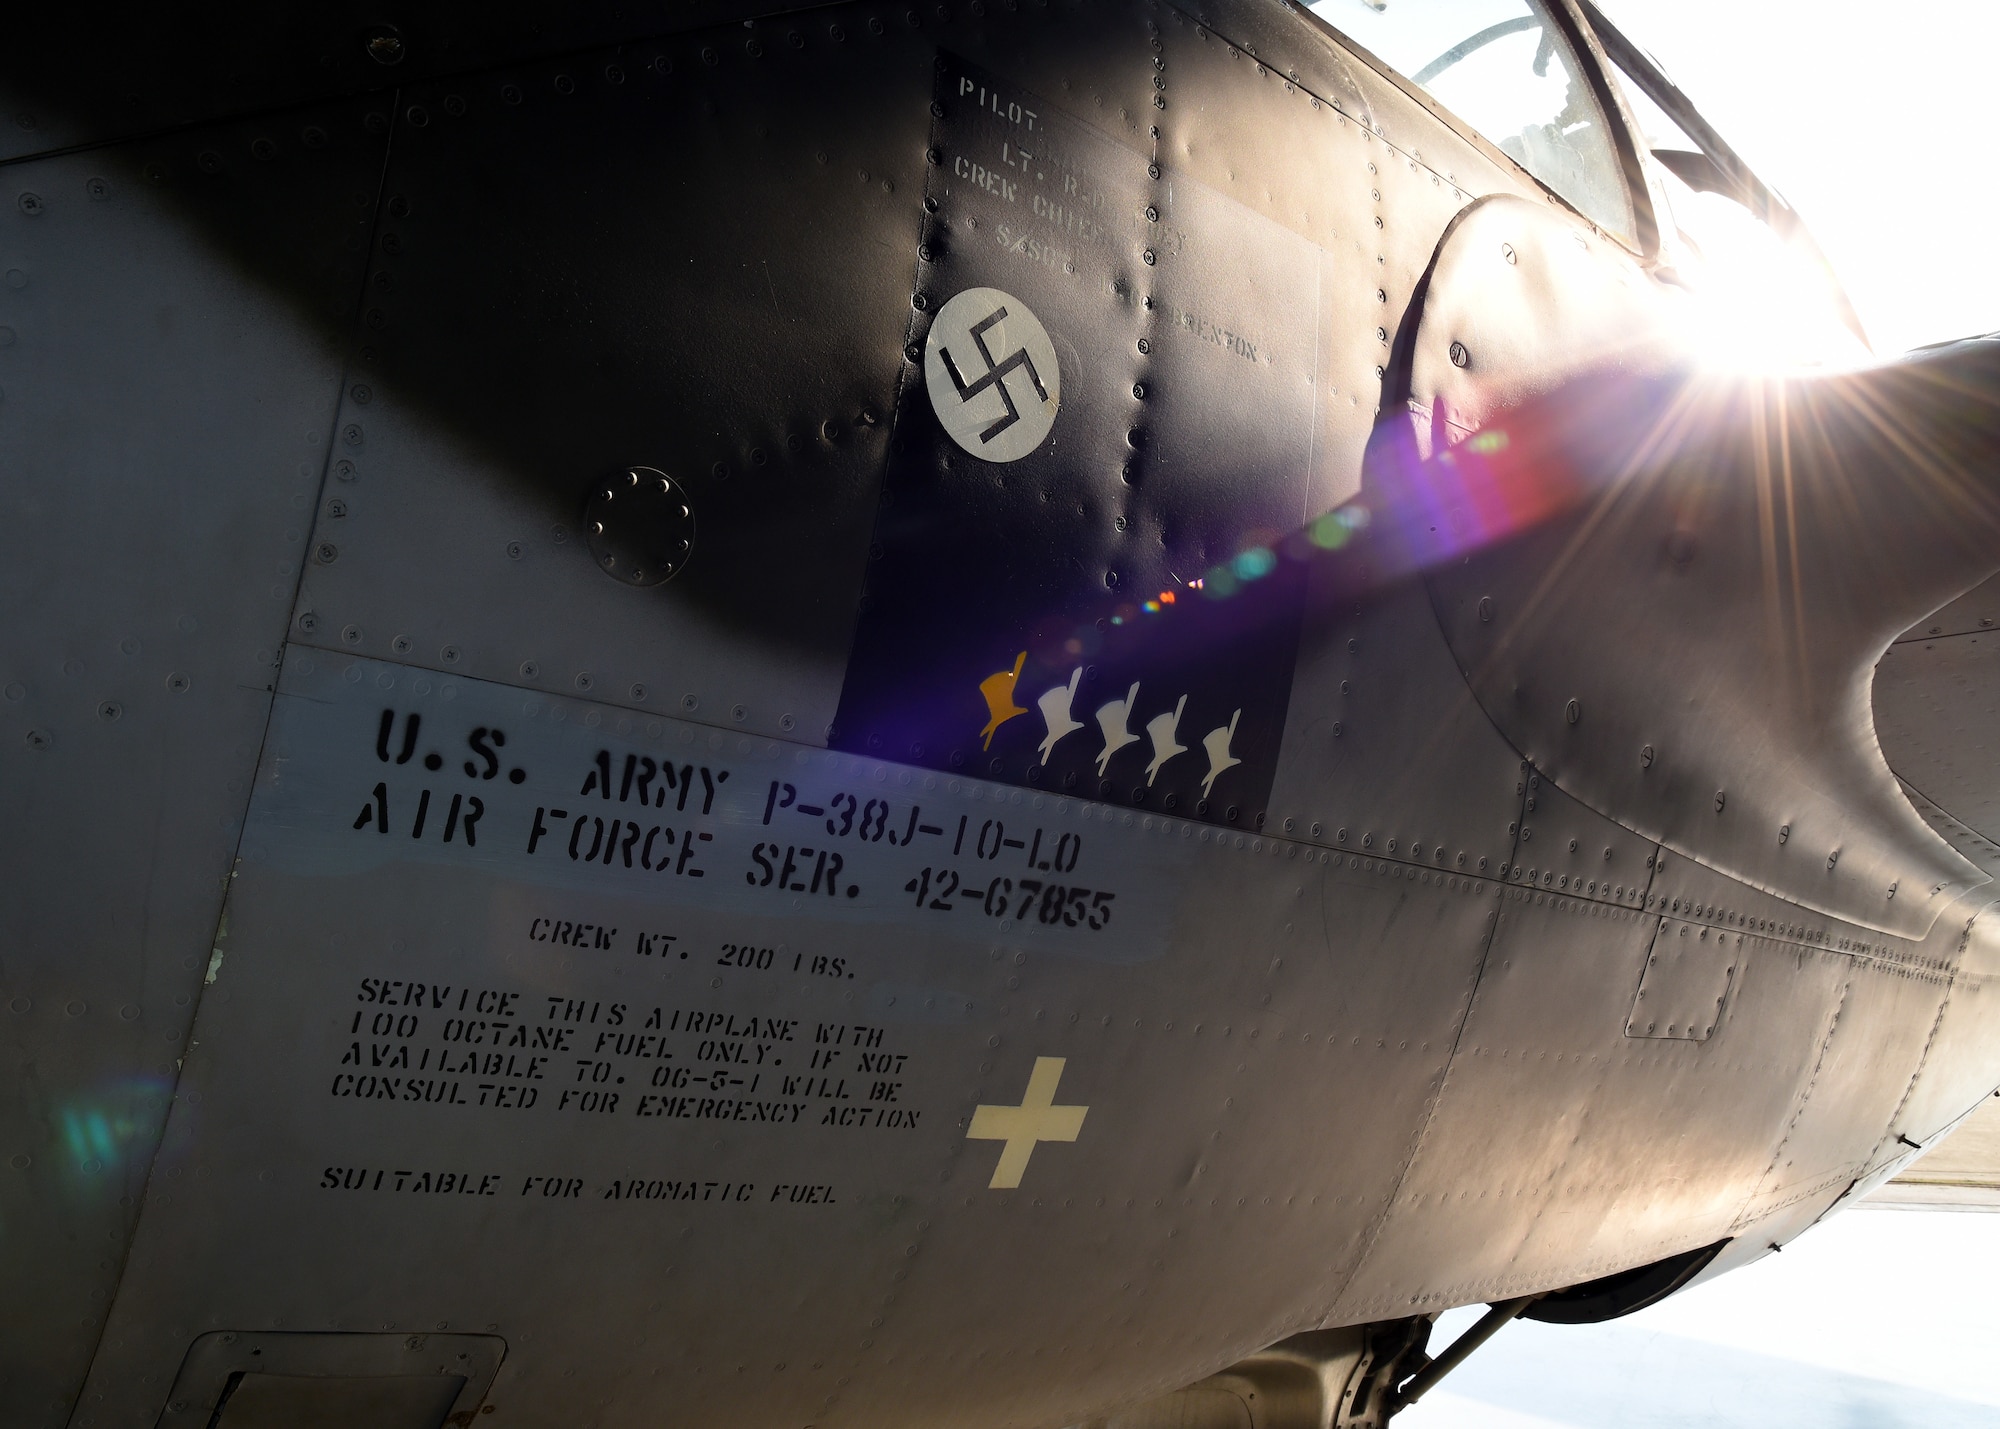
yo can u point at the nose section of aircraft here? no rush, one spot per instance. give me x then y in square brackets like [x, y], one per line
[1684, 638]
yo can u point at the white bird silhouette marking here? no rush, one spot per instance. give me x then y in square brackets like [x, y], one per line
[1216, 742]
[1055, 707]
[1114, 719]
[1162, 729]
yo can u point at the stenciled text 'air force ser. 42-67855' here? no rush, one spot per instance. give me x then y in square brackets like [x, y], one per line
[988, 713]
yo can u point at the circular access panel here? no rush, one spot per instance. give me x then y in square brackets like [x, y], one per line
[640, 527]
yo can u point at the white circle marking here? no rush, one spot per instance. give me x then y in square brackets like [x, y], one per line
[992, 375]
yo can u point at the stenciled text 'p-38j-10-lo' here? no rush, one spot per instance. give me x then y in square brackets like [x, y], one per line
[987, 713]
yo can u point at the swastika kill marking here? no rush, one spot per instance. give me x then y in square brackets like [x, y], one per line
[991, 372]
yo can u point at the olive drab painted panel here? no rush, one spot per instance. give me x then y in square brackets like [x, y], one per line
[1097, 611]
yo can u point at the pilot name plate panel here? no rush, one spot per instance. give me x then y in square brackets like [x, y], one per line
[1073, 585]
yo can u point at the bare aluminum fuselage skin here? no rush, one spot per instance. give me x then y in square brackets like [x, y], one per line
[426, 924]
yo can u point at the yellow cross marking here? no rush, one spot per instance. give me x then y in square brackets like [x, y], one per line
[1035, 1119]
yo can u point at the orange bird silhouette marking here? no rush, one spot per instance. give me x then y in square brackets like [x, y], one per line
[998, 688]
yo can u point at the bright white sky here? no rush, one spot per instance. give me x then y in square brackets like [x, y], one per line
[1873, 119]
[1875, 1320]
[1876, 121]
